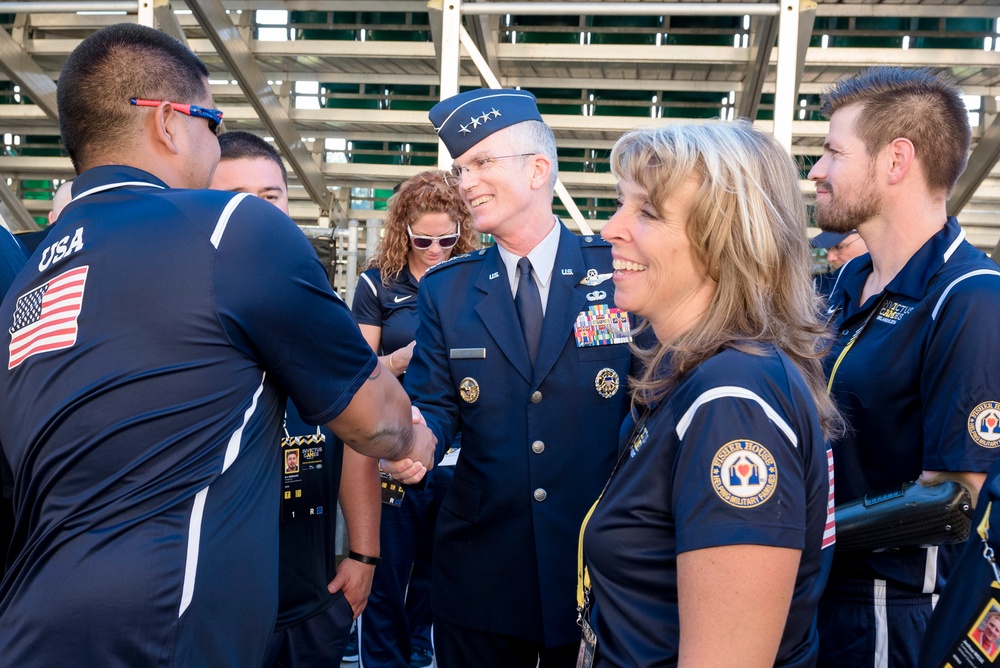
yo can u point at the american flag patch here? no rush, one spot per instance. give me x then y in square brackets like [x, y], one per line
[830, 532]
[45, 319]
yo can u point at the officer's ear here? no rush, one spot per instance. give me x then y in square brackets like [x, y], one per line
[540, 169]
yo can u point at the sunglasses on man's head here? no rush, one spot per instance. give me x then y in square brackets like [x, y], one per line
[213, 116]
[421, 242]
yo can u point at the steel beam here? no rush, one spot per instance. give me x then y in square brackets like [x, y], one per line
[760, 62]
[16, 216]
[67, 7]
[981, 163]
[788, 53]
[621, 8]
[166, 20]
[239, 58]
[22, 69]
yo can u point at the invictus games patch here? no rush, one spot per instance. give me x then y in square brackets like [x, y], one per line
[984, 424]
[744, 474]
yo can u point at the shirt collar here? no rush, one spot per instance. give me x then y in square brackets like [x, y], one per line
[916, 274]
[542, 257]
[108, 177]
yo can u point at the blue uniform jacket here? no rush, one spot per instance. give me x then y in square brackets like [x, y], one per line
[537, 445]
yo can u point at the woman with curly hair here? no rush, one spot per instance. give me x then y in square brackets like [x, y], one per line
[427, 223]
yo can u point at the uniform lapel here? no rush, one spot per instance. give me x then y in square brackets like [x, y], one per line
[565, 302]
[499, 315]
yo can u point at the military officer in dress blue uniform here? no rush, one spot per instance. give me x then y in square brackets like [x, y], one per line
[531, 364]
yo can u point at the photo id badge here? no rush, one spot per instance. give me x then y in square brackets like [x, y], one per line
[588, 646]
[301, 463]
[392, 490]
[979, 642]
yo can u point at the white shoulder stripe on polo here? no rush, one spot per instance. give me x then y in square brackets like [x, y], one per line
[954, 245]
[978, 272]
[236, 439]
[198, 507]
[370, 284]
[736, 393]
[193, 546]
[220, 225]
[112, 186]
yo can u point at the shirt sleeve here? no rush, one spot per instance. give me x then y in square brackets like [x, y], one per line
[367, 306]
[275, 303]
[12, 258]
[959, 385]
[738, 479]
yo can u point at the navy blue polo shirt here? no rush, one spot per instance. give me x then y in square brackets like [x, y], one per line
[918, 386]
[735, 455]
[392, 307]
[150, 343]
[12, 258]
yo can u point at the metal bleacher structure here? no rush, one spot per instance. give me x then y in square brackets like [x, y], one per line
[343, 87]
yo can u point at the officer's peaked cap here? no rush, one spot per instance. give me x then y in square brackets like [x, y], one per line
[464, 120]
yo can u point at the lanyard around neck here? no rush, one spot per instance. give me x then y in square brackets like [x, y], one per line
[582, 573]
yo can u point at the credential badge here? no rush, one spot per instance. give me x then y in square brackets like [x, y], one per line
[607, 382]
[744, 474]
[984, 424]
[469, 389]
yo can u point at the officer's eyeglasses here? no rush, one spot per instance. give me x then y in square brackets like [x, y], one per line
[213, 116]
[478, 166]
[421, 242]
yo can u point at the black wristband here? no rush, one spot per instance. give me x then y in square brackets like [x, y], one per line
[364, 558]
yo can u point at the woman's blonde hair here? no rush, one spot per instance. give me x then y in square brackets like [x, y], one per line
[424, 193]
[747, 228]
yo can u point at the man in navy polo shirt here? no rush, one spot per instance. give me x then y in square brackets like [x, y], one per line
[914, 366]
[840, 249]
[150, 347]
[318, 598]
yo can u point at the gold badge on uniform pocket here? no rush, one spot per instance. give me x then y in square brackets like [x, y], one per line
[607, 382]
[469, 389]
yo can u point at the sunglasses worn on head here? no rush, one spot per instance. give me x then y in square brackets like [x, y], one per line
[213, 116]
[421, 242]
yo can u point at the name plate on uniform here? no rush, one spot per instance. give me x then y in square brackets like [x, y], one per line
[467, 354]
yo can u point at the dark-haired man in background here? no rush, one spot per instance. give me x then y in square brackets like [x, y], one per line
[318, 599]
[145, 486]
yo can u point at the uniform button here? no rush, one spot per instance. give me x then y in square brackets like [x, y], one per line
[536, 397]
[540, 494]
[538, 447]
[845, 331]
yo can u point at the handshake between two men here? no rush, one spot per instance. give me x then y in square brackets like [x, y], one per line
[380, 423]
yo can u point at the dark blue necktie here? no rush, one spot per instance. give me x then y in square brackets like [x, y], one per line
[529, 308]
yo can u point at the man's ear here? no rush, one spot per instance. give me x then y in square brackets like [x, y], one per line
[900, 154]
[165, 128]
[541, 169]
